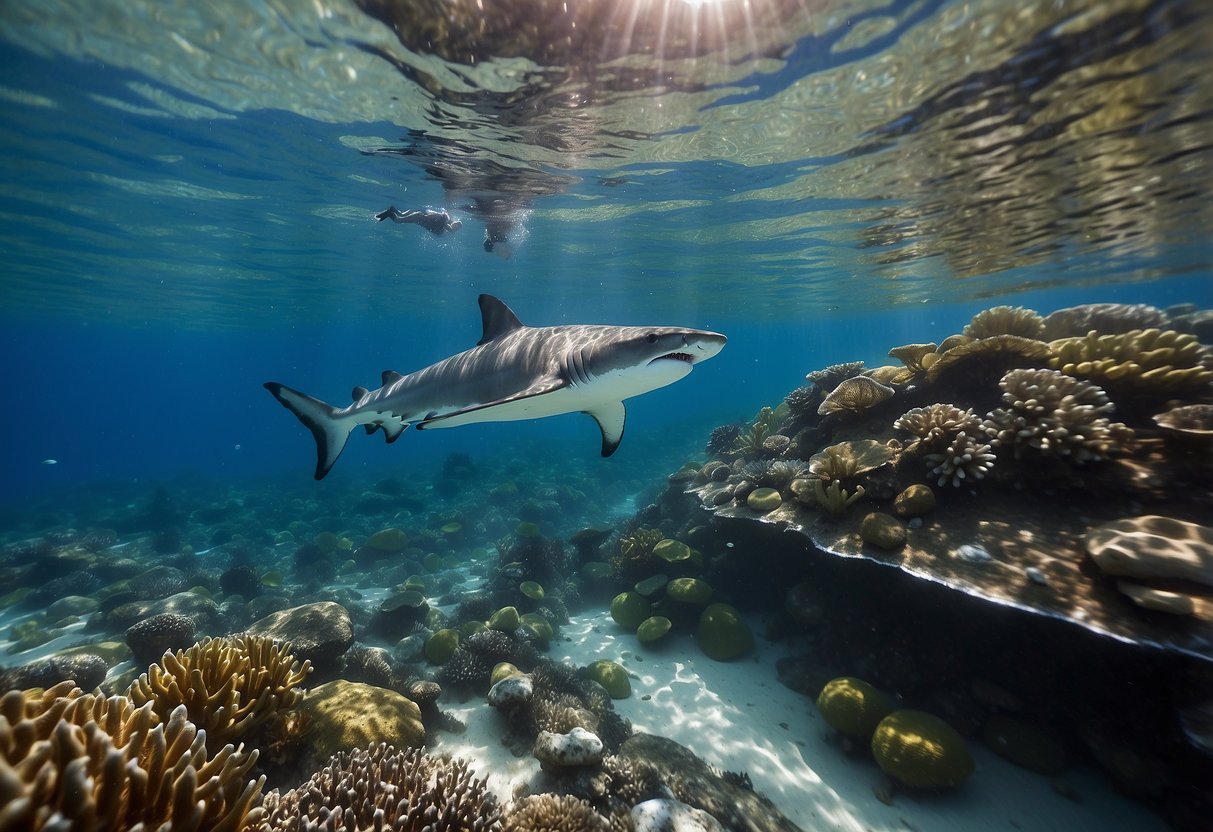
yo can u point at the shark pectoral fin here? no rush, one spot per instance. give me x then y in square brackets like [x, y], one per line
[610, 418]
[392, 430]
[540, 388]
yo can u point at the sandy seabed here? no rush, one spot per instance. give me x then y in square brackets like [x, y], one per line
[738, 717]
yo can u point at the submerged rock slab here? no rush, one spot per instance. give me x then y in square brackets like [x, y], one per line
[1037, 560]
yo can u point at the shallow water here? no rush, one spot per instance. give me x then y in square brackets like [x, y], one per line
[188, 212]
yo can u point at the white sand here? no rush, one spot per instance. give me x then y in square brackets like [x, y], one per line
[733, 714]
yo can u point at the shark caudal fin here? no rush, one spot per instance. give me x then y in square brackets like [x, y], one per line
[331, 432]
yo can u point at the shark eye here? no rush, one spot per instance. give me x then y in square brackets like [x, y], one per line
[652, 336]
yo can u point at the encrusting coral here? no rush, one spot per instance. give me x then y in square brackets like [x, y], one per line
[1055, 414]
[1144, 359]
[1006, 320]
[228, 685]
[854, 396]
[382, 788]
[78, 761]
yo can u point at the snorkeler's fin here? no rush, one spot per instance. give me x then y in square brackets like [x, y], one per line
[386, 213]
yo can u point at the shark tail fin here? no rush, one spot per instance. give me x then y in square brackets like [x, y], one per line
[321, 419]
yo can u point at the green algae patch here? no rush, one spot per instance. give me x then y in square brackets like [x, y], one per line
[612, 676]
[722, 633]
[441, 646]
[531, 590]
[629, 609]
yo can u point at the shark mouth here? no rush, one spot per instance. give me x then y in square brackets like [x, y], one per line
[676, 356]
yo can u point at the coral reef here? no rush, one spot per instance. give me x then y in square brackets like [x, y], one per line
[855, 396]
[966, 458]
[834, 499]
[988, 357]
[72, 760]
[937, 425]
[846, 461]
[1151, 360]
[553, 813]
[1006, 320]
[1107, 318]
[1055, 414]
[382, 787]
[830, 377]
[228, 686]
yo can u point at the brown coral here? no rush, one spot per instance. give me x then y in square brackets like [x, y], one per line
[1106, 318]
[383, 788]
[554, 813]
[77, 761]
[1006, 320]
[1151, 359]
[228, 686]
[830, 377]
[966, 457]
[911, 355]
[998, 351]
[936, 425]
[854, 396]
[847, 460]
[1055, 414]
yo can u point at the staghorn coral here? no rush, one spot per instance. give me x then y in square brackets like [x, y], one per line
[1106, 318]
[554, 813]
[966, 457]
[228, 685]
[854, 396]
[383, 788]
[835, 499]
[78, 761]
[1000, 352]
[803, 401]
[1144, 359]
[1006, 320]
[832, 376]
[1055, 414]
[937, 425]
[848, 460]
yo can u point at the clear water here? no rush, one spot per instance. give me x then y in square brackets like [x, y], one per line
[189, 194]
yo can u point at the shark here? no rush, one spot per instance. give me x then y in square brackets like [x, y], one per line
[514, 372]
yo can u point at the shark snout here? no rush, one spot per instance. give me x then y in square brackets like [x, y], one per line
[703, 345]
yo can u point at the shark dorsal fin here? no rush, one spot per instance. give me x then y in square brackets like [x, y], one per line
[391, 377]
[498, 319]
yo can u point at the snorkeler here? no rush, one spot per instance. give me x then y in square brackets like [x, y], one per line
[436, 222]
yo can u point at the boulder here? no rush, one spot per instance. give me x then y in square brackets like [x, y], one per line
[318, 632]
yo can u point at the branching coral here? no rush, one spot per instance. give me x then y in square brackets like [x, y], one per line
[77, 761]
[967, 457]
[554, 813]
[636, 549]
[835, 499]
[752, 440]
[723, 439]
[937, 425]
[1006, 320]
[1145, 359]
[830, 377]
[848, 460]
[228, 686]
[1055, 414]
[383, 788]
[803, 401]
[854, 396]
[773, 474]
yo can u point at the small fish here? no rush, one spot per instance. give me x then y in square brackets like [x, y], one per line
[272, 578]
[50, 462]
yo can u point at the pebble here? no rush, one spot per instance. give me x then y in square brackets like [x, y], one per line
[973, 553]
[666, 815]
[1036, 576]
